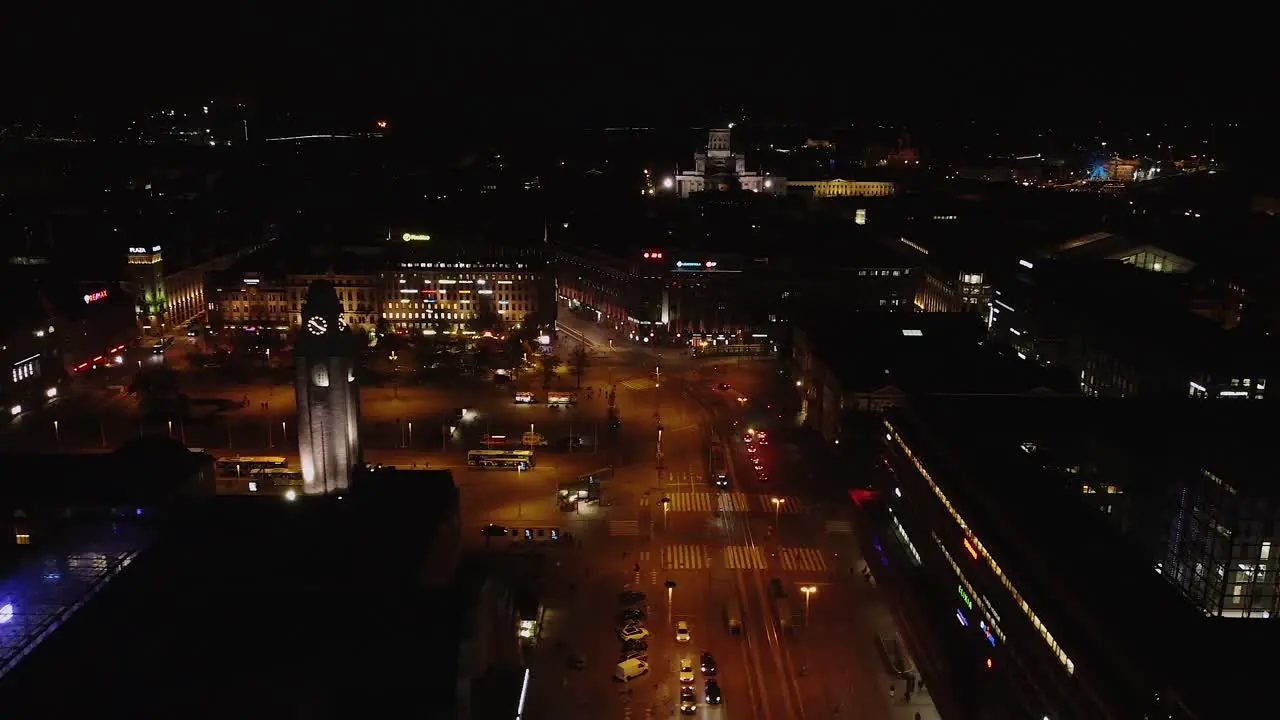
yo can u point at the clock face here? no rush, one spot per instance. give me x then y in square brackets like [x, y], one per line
[318, 325]
[320, 376]
[342, 325]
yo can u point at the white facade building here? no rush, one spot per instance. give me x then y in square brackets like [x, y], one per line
[719, 168]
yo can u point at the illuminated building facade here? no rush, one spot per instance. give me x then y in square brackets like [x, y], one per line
[427, 297]
[843, 188]
[661, 296]
[165, 301]
[717, 168]
[451, 297]
[328, 396]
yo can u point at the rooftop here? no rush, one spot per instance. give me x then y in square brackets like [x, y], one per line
[923, 353]
[257, 607]
[1120, 609]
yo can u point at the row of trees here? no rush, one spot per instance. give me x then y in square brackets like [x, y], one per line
[578, 363]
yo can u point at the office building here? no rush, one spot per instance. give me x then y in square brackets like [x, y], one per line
[1122, 338]
[1084, 551]
[402, 287]
[166, 300]
[872, 361]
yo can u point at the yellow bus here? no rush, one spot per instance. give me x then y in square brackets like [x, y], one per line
[509, 459]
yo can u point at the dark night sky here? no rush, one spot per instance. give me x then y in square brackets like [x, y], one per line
[615, 67]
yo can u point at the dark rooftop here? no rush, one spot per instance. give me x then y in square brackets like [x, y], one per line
[257, 607]
[923, 353]
[1051, 548]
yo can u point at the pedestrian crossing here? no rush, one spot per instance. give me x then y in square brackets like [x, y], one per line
[638, 384]
[804, 559]
[686, 557]
[695, 556]
[624, 528]
[707, 502]
[745, 557]
[735, 502]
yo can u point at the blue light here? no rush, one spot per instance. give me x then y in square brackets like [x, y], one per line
[960, 616]
[6, 613]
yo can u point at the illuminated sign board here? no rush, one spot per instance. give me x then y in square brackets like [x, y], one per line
[137, 250]
[964, 596]
[94, 297]
[695, 265]
[155, 248]
[411, 237]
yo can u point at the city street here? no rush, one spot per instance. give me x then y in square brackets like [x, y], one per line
[703, 555]
[699, 554]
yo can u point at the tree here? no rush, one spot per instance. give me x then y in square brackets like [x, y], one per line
[486, 317]
[579, 361]
[157, 390]
[550, 366]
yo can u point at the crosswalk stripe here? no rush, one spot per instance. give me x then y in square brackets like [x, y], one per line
[638, 384]
[839, 526]
[624, 527]
[744, 557]
[685, 557]
[706, 502]
[802, 559]
[788, 506]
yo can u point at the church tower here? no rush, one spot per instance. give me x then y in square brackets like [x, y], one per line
[327, 392]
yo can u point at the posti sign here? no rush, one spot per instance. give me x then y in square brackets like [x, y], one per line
[415, 237]
[94, 297]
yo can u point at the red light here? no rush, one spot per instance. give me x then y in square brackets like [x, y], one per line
[989, 663]
[646, 255]
[658, 255]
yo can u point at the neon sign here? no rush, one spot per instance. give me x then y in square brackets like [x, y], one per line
[410, 237]
[94, 297]
[691, 264]
[968, 602]
[138, 250]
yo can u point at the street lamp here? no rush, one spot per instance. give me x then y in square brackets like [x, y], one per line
[57, 437]
[410, 441]
[670, 585]
[777, 508]
[666, 505]
[808, 591]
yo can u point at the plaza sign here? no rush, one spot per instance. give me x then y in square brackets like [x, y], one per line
[410, 237]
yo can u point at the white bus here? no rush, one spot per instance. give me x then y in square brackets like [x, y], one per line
[238, 466]
[562, 398]
[510, 459]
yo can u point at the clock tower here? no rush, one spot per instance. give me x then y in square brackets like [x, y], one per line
[328, 395]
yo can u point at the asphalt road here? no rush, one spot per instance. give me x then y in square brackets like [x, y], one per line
[719, 551]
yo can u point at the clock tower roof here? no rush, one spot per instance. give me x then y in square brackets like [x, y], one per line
[322, 300]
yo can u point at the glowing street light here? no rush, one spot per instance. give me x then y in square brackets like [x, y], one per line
[777, 508]
[808, 591]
